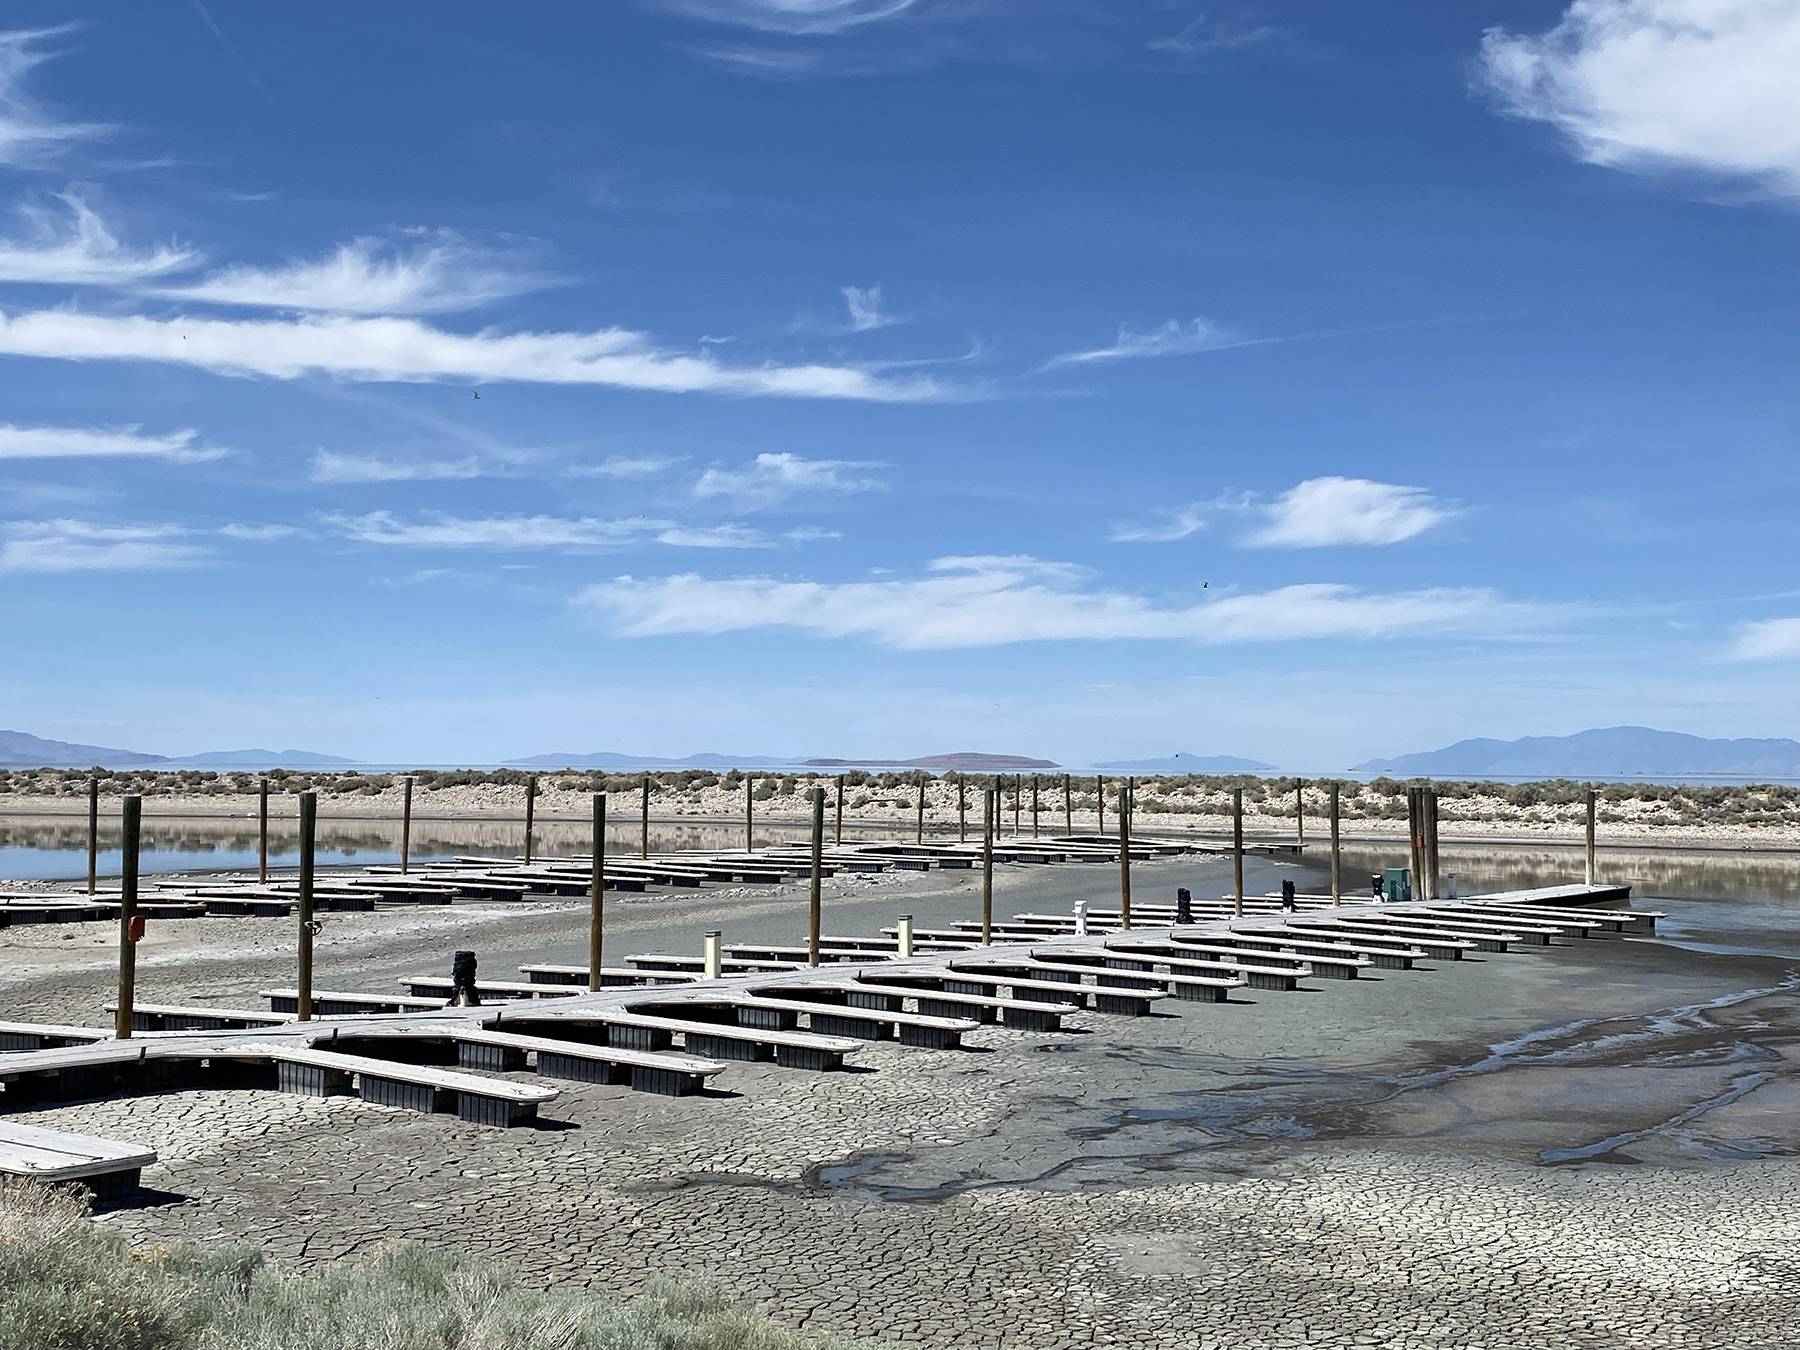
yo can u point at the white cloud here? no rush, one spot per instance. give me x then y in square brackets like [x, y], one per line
[621, 466]
[96, 442]
[259, 534]
[372, 276]
[399, 349]
[78, 546]
[864, 304]
[812, 534]
[1200, 36]
[1767, 639]
[819, 17]
[81, 250]
[1176, 522]
[993, 601]
[29, 134]
[329, 467]
[530, 532]
[770, 478]
[1656, 84]
[1325, 511]
[1171, 339]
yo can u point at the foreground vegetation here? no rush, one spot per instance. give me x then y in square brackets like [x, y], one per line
[67, 1283]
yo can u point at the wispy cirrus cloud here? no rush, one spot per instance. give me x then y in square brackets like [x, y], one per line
[625, 466]
[1663, 84]
[793, 17]
[1767, 639]
[866, 313]
[1314, 514]
[426, 272]
[403, 349]
[103, 442]
[81, 546]
[1201, 36]
[1327, 511]
[772, 478]
[437, 530]
[996, 601]
[1170, 339]
[30, 134]
[330, 467]
[79, 248]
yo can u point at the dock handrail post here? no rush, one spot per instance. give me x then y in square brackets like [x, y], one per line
[919, 820]
[131, 820]
[1125, 794]
[530, 812]
[1100, 802]
[837, 835]
[309, 808]
[93, 833]
[597, 894]
[1034, 806]
[713, 953]
[406, 788]
[644, 842]
[818, 873]
[1068, 807]
[1591, 871]
[1300, 811]
[1337, 893]
[962, 808]
[988, 812]
[749, 815]
[904, 936]
[262, 829]
[1237, 851]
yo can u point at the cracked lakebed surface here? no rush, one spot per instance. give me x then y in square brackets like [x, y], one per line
[1589, 1145]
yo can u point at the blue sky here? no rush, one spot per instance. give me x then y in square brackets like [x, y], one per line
[1082, 378]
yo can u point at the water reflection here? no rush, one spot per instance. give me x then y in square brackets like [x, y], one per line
[1699, 874]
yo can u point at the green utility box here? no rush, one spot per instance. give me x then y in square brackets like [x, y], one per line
[1396, 884]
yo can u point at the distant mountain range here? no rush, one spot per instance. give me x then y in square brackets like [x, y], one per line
[964, 761]
[20, 750]
[1612, 752]
[607, 760]
[1182, 762]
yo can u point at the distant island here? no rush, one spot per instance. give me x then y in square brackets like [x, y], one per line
[1612, 752]
[964, 761]
[1183, 762]
[21, 750]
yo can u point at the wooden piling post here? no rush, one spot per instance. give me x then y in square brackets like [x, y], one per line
[262, 830]
[93, 834]
[1100, 802]
[597, 894]
[132, 823]
[749, 815]
[1018, 803]
[530, 811]
[1591, 871]
[1237, 851]
[919, 820]
[406, 788]
[989, 805]
[1068, 807]
[1415, 825]
[644, 840]
[1337, 893]
[1431, 844]
[309, 807]
[1300, 811]
[1125, 804]
[818, 874]
[838, 834]
[962, 808]
[1034, 806]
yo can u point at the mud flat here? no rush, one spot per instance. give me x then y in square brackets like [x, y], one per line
[1589, 1145]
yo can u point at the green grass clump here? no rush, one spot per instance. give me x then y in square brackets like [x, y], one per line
[67, 1283]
